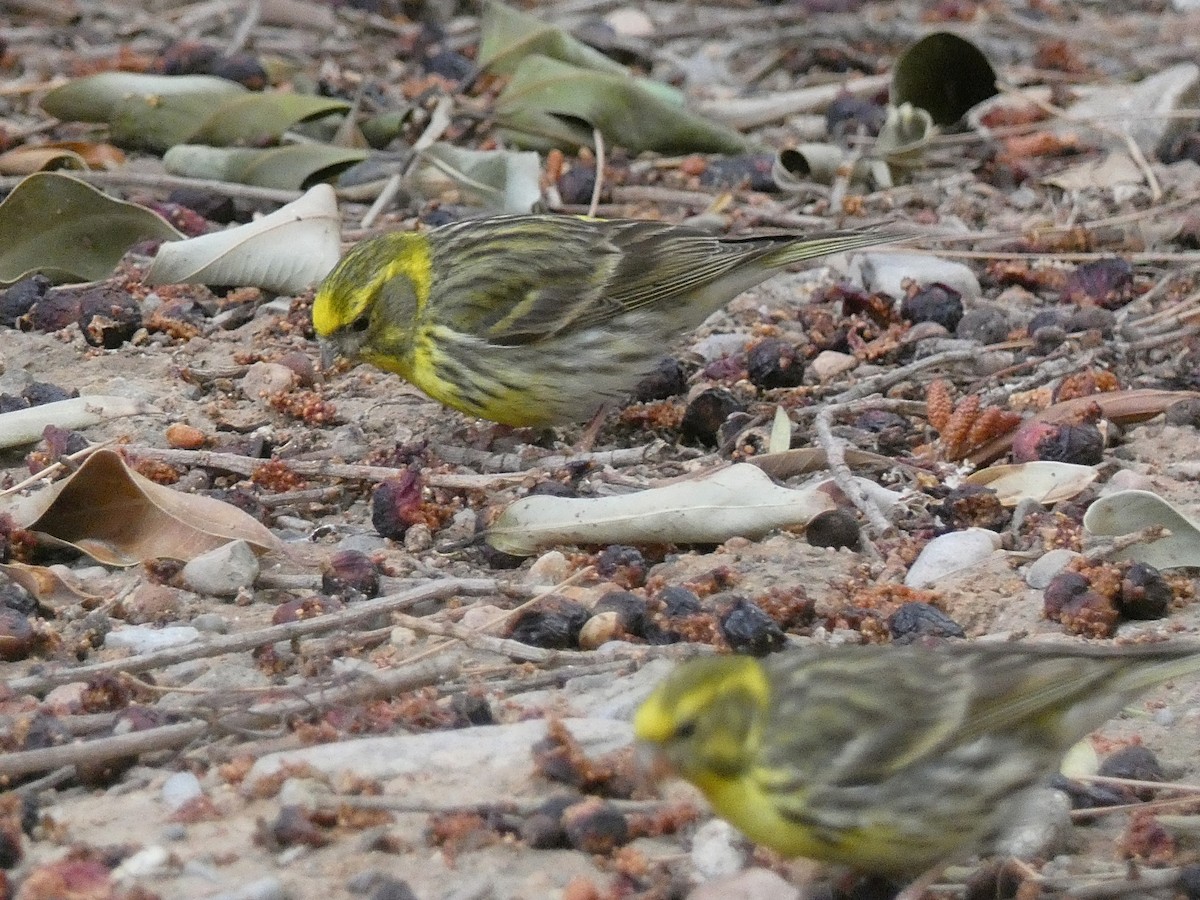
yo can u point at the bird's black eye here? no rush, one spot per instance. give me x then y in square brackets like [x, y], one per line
[361, 324]
[685, 730]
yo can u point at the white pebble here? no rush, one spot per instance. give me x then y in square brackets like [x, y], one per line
[142, 639]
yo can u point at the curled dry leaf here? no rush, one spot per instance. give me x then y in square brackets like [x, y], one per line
[285, 251]
[739, 500]
[121, 518]
[47, 586]
[25, 426]
[1045, 482]
[1128, 511]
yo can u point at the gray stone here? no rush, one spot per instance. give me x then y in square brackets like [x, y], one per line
[143, 639]
[1042, 570]
[1143, 109]
[222, 572]
[887, 272]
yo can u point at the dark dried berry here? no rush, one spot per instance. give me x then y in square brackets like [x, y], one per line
[243, 68]
[706, 413]
[40, 392]
[594, 826]
[630, 610]
[833, 528]
[575, 185]
[1135, 762]
[938, 303]
[1090, 614]
[848, 114]
[1184, 412]
[916, 620]
[16, 598]
[679, 601]
[747, 629]
[20, 298]
[56, 310]
[1062, 589]
[350, 572]
[973, 506]
[9, 403]
[553, 624]
[752, 171]
[211, 206]
[775, 364]
[472, 709]
[1107, 283]
[387, 887]
[985, 324]
[301, 608]
[1091, 318]
[396, 504]
[1082, 444]
[186, 57]
[550, 488]
[1188, 882]
[667, 380]
[1034, 440]
[624, 565]
[1144, 593]
[543, 830]
[17, 638]
[450, 65]
[108, 317]
[295, 825]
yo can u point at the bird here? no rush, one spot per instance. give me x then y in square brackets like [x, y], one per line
[540, 320]
[891, 760]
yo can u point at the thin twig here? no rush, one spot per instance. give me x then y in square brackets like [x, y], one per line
[251, 640]
[835, 456]
[598, 181]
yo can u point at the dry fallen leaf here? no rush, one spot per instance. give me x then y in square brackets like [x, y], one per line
[121, 518]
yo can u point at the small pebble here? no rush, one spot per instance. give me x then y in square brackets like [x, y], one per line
[179, 788]
[222, 572]
[951, 553]
[141, 639]
[214, 623]
[749, 884]
[717, 850]
[1042, 570]
[548, 569]
[268, 888]
[264, 379]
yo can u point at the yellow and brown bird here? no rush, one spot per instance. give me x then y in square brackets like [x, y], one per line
[541, 319]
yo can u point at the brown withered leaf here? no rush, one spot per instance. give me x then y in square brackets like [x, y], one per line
[120, 518]
[48, 587]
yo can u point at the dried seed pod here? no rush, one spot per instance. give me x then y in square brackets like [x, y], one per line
[917, 620]
[706, 413]
[554, 623]
[748, 629]
[775, 363]
[833, 528]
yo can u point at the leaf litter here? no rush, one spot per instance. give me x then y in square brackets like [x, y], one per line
[424, 712]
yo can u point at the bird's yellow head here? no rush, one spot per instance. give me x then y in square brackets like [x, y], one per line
[706, 718]
[368, 304]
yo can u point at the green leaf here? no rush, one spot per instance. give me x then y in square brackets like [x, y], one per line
[68, 230]
[294, 167]
[156, 112]
[97, 97]
[257, 116]
[508, 36]
[503, 180]
[552, 104]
